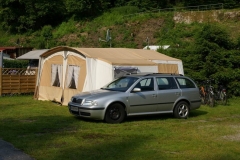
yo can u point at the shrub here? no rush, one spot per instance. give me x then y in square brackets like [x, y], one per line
[15, 63]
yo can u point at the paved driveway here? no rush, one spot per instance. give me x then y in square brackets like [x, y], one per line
[9, 152]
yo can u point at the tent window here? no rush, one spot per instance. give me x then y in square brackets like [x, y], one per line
[56, 75]
[121, 71]
[72, 76]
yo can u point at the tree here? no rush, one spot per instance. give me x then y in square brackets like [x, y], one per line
[28, 15]
[47, 33]
[86, 8]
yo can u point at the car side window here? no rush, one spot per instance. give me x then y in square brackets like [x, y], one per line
[185, 83]
[146, 84]
[166, 83]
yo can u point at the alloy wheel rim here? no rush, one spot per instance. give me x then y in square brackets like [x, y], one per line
[183, 111]
[115, 113]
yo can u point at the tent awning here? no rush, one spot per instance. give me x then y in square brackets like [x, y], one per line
[35, 54]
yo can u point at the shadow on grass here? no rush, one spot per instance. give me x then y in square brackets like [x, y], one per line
[50, 137]
[150, 117]
[194, 113]
[133, 118]
[107, 146]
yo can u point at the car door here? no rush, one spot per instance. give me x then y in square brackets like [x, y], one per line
[144, 101]
[189, 90]
[168, 92]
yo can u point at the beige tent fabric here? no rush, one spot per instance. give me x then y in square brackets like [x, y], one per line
[168, 68]
[46, 91]
[124, 53]
[117, 56]
[68, 92]
[153, 55]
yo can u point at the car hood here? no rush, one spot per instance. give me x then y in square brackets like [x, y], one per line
[95, 94]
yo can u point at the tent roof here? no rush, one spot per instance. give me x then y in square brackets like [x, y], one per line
[35, 54]
[117, 56]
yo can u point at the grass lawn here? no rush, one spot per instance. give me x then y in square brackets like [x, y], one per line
[47, 131]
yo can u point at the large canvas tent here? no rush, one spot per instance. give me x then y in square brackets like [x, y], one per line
[65, 71]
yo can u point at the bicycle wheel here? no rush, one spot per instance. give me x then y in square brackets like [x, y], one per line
[223, 98]
[211, 100]
[206, 99]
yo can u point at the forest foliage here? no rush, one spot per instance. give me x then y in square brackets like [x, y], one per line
[211, 55]
[25, 15]
[206, 49]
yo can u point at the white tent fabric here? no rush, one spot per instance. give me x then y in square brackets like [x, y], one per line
[99, 73]
[156, 47]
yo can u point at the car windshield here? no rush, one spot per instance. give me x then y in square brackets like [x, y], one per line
[121, 84]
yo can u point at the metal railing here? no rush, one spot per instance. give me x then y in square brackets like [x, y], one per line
[181, 9]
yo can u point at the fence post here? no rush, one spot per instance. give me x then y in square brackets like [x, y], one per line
[0, 81]
[35, 96]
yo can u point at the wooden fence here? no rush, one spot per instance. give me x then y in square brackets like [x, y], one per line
[17, 80]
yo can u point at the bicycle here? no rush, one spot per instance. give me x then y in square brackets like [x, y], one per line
[221, 94]
[203, 94]
[207, 93]
[210, 93]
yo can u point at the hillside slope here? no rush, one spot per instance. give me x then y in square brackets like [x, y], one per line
[129, 31]
[134, 31]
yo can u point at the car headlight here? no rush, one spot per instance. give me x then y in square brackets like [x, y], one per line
[89, 103]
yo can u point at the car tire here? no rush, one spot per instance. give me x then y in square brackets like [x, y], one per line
[115, 113]
[181, 110]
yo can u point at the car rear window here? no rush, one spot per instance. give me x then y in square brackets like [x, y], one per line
[185, 83]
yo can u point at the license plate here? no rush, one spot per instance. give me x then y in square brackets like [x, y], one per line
[74, 108]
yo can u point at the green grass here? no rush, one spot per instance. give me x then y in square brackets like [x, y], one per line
[45, 130]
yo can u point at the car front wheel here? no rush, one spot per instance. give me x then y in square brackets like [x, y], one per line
[181, 110]
[115, 113]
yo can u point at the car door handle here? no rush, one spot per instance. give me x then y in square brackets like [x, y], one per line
[154, 95]
[177, 93]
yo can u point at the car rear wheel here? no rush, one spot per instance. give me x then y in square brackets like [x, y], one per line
[115, 113]
[181, 110]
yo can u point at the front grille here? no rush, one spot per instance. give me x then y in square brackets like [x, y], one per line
[75, 100]
[85, 114]
[75, 112]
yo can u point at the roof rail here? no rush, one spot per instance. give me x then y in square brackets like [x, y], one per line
[151, 73]
[168, 74]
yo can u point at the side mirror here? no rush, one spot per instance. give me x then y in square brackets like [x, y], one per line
[136, 90]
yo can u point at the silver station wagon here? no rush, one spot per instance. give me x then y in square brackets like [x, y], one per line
[138, 94]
